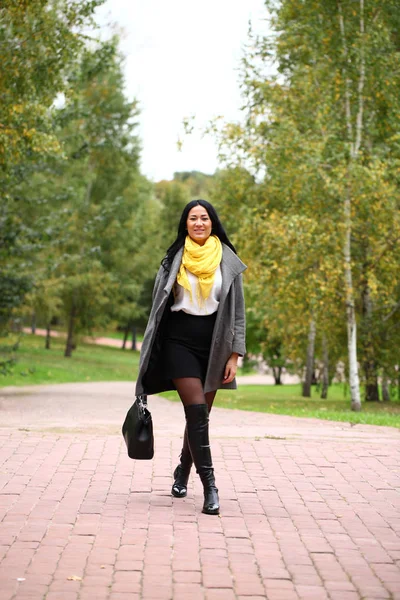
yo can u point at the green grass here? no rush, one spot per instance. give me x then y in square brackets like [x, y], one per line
[88, 363]
[287, 400]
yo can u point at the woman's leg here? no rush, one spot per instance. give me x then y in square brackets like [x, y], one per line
[182, 471]
[190, 390]
[210, 396]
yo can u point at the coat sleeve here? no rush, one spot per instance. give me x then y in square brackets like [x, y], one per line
[239, 340]
[157, 282]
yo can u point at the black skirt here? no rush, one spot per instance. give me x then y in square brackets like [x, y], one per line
[186, 345]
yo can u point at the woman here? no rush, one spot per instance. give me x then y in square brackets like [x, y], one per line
[195, 334]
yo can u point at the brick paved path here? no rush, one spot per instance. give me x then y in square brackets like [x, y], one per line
[309, 508]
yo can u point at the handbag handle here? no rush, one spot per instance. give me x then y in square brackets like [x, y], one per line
[142, 398]
[141, 401]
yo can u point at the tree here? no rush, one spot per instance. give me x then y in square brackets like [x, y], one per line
[320, 135]
[172, 196]
[197, 183]
[97, 129]
[39, 43]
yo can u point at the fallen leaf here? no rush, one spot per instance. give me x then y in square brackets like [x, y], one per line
[74, 578]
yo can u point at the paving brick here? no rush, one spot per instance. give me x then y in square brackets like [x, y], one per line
[187, 576]
[344, 595]
[122, 596]
[218, 594]
[62, 596]
[311, 514]
[249, 588]
[183, 591]
[309, 592]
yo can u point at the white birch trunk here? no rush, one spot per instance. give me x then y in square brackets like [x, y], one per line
[310, 360]
[354, 380]
[355, 144]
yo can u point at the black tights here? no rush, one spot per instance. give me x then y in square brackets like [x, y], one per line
[190, 390]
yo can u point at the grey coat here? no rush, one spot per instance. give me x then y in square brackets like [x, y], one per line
[229, 328]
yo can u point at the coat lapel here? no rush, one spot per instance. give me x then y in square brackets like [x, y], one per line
[173, 272]
[231, 266]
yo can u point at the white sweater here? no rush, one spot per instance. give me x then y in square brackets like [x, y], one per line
[191, 306]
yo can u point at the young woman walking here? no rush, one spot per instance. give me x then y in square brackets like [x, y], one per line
[195, 334]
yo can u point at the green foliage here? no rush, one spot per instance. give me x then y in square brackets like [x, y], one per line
[96, 213]
[197, 183]
[75, 204]
[320, 133]
[173, 196]
[40, 43]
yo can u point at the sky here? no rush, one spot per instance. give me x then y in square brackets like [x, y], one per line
[182, 60]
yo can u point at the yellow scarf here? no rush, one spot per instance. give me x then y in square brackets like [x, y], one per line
[202, 261]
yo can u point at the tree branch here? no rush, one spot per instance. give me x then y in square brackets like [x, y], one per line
[389, 244]
[395, 308]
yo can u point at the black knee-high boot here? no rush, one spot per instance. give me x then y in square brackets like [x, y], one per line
[199, 443]
[182, 471]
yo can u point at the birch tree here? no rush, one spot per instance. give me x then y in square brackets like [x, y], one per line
[320, 131]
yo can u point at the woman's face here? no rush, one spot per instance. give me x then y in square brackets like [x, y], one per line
[199, 224]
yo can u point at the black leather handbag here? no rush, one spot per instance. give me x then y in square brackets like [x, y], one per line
[138, 430]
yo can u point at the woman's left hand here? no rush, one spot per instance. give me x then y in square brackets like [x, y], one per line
[231, 368]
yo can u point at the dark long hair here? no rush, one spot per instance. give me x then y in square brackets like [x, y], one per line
[216, 229]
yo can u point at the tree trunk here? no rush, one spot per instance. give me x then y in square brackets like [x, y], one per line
[398, 383]
[310, 360]
[126, 333]
[370, 367]
[48, 336]
[314, 378]
[351, 315]
[354, 144]
[277, 372]
[133, 347]
[33, 323]
[325, 368]
[385, 388]
[70, 337]
[371, 381]
[398, 387]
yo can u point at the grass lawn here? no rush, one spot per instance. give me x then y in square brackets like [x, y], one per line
[88, 363]
[287, 400]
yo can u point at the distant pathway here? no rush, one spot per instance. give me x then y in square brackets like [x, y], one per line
[101, 341]
[309, 509]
